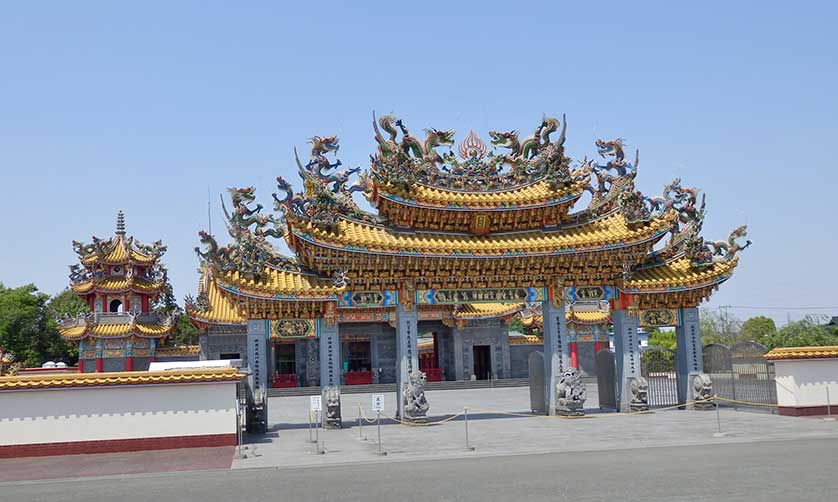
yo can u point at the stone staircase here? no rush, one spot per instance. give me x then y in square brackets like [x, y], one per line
[391, 387]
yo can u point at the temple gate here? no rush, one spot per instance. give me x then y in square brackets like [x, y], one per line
[454, 230]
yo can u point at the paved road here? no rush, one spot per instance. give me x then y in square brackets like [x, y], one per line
[780, 470]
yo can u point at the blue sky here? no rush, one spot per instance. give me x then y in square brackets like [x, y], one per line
[148, 107]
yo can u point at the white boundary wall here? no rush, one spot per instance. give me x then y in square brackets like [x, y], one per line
[803, 382]
[117, 412]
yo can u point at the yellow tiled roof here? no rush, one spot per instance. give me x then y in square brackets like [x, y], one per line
[120, 253]
[677, 274]
[278, 282]
[186, 350]
[536, 194]
[221, 309]
[610, 230]
[525, 340]
[114, 331]
[827, 352]
[117, 284]
[67, 380]
[571, 317]
[486, 310]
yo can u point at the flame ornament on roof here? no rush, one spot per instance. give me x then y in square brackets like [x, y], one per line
[471, 147]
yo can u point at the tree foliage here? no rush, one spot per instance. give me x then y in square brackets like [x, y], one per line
[757, 329]
[661, 338]
[808, 332]
[719, 326]
[28, 328]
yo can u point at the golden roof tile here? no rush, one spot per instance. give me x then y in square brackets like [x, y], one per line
[278, 283]
[69, 380]
[677, 274]
[221, 309]
[828, 352]
[185, 350]
[533, 195]
[607, 231]
[486, 310]
[117, 284]
[115, 331]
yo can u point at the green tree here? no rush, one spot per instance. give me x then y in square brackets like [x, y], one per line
[183, 332]
[757, 329]
[28, 328]
[66, 303]
[661, 338]
[808, 332]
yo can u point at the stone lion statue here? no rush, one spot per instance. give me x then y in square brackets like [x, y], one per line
[703, 389]
[332, 418]
[413, 395]
[639, 394]
[570, 393]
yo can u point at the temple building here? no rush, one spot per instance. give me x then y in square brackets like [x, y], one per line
[461, 238]
[119, 279]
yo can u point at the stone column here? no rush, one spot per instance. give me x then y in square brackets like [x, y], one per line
[627, 354]
[457, 337]
[330, 370]
[688, 356]
[556, 356]
[407, 350]
[257, 362]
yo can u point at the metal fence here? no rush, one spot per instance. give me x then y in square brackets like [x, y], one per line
[657, 365]
[740, 373]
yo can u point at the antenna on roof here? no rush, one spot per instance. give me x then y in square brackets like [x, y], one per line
[120, 223]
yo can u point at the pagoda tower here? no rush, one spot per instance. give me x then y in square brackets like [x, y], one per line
[119, 279]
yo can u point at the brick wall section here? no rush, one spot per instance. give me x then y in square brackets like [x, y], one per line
[116, 445]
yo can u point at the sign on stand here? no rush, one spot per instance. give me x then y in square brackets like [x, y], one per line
[377, 402]
[315, 404]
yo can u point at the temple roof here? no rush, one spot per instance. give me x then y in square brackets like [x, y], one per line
[534, 317]
[486, 310]
[535, 194]
[677, 274]
[279, 284]
[607, 232]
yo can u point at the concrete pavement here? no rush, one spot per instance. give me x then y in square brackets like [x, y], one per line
[799, 470]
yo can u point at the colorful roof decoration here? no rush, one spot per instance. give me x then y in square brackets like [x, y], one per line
[118, 325]
[68, 380]
[470, 311]
[468, 217]
[533, 318]
[779, 354]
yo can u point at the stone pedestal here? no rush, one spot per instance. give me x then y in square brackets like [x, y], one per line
[556, 355]
[627, 355]
[688, 356]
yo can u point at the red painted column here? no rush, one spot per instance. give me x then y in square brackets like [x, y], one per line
[145, 304]
[81, 365]
[99, 365]
[129, 363]
[574, 358]
[104, 304]
[597, 347]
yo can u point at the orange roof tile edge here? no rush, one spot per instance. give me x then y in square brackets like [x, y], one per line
[188, 350]
[72, 380]
[827, 352]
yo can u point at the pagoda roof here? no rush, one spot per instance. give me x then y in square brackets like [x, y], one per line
[535, 318]
[97, 325]
[118, 250]
[609, 232]
[117, 284]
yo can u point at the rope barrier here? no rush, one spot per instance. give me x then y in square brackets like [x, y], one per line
[749, 403]
[407, 422]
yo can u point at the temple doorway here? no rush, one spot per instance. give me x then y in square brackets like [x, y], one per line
[482, 361]
[358, 369]
[286, 365]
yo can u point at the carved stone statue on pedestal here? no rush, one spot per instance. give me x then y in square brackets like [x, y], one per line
[413, 394]
[703, 392]
[570, 394]
[639, 394]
